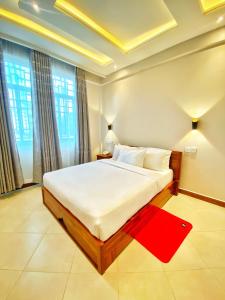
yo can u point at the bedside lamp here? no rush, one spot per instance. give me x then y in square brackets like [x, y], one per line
[108, 141]
[194, 123]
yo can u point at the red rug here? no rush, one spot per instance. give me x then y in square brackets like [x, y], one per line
[159, 232]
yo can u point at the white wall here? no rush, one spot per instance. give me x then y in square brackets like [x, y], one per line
[155, 107]
[94, 95]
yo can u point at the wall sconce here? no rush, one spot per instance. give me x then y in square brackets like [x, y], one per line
[194, 123]
[110, 127]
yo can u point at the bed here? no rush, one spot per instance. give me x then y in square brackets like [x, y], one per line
[97, 200]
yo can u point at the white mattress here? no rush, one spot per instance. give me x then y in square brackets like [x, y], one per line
[104, 194]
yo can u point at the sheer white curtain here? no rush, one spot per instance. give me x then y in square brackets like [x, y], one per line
[18, 81]
[64, 86]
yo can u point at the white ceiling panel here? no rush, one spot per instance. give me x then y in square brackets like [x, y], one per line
[126, 20]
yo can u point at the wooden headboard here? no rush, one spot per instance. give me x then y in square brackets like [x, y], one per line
[175, 165]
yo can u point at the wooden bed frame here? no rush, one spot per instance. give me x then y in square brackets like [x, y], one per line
[100, 253]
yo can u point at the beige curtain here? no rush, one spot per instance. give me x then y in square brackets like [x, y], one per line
[10, 169]
[83, 122]
[47, 156]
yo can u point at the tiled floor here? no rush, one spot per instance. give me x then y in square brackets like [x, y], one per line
[39, 261]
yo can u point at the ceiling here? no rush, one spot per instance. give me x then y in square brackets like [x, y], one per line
[105, 36]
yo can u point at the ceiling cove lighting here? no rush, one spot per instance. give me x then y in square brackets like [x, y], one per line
[210, 5]
[72, 11]
[41, 30]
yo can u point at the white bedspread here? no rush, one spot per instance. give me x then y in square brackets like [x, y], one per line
[104, 194]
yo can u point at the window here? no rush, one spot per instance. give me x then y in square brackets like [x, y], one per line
[65, 104]
[18, 73]
[18, 81]
[64, 92]
[64, 87]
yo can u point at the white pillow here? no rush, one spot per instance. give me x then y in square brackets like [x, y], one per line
[157, 159]
[132, 157]
[117, 148]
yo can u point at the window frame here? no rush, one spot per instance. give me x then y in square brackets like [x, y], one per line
[66, 120]
[20, 107]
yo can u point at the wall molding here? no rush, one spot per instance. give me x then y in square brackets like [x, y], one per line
[200, 43]
[29, 45]
[93, 82]
[202, 197]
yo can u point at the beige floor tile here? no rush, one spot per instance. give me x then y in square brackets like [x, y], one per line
[41, 207]
[185, 205]
[135, 258]
[55, 227]
[182, 202]
[220, 276]
[20, 206]
[4, 204]
[186, 258]
[7, 281]
[195, 285]
[113, 268]
[27, 200]
[91, 286]
[10, 222]
[135, 274]
[37, 222]
[54, 254]
[39, 286]
[178, 208]
[81, 263]
[144, 286]
[211, 247]
[209, 219]
[28, 193]
[190, 203]
[16, 249]
[7, 206]
[202, 215]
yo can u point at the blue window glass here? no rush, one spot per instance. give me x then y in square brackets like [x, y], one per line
[18, 79]
[65, 106]
[64, 87]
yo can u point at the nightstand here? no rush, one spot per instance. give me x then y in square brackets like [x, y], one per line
[104, 156]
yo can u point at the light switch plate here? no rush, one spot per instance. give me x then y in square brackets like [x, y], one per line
[190, 149]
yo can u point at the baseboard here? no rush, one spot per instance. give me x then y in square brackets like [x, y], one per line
[202, 197]
[28, 184]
